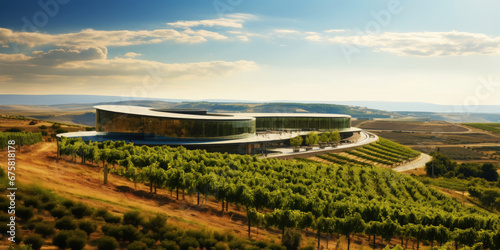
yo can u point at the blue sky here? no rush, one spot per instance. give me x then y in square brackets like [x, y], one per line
[444, 52]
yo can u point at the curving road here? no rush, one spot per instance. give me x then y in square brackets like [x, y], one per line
[420, 162]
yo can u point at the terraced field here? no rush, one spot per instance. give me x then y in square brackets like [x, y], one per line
[383, 153]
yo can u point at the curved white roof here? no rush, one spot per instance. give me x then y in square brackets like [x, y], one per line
[152, 112]
[148, 111]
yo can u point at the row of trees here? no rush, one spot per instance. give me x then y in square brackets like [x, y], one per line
[442, 165]
[312, 138]
[21, 138]
[269, 188]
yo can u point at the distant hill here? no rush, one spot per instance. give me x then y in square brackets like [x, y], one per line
[84, 114]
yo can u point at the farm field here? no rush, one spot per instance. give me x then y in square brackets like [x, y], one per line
[438, 139]
[456, 153]
[413, 126]
[383, 153]
[491, 127]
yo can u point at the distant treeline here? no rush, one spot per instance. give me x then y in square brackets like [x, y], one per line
[22, 138]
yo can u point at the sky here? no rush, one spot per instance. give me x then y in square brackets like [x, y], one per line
[442, 52]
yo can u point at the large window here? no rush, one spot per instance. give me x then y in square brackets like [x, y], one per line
[112, 122]
[303, 123]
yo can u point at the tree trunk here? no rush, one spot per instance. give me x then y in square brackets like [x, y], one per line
[319, 235]
[227, 205]
[348, 242]
[418, 243]
[222, 206]
[105, 173]
[177, 190]
[248, 218]
[151, 187]
[198, 199]
[155, 188]
[374, 236]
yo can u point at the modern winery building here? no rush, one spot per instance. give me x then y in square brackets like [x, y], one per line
[193, 128]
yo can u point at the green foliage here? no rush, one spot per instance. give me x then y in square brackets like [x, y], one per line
[296, 141]
[492, 127]
[42, 127]
[76, 243]
[133, 218]
[107, 243]
[188, 242]
[441, 165]
[59, 211]
[66, 223]
[291, 239]
[36, 241]
[24, 213]
[109, 218]
[88, 226]
[137, 245]
[312, 138]
[170, 245]
[220, 246]
[22, 138]
[80, 210]
[45, 228]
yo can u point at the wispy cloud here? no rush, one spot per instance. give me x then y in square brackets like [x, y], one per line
[235, 20]
[452, 43]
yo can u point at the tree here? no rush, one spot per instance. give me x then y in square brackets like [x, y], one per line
[291, 239]
[350, 225]
[312, 138]
[335, 137]
[488, 172]
[372, 228]
[324, 137]
[296, 141]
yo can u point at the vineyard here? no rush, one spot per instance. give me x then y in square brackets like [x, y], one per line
[21, 138]
[383, 152]
[492, 127]
[303, 195]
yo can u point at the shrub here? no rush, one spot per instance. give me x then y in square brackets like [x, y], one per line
[137, 245]
[66, 223]
[32, 201]
[236, 244]
[56, 125]
[169, 245]
[44, 133]
[49, 205]
[275, 246]
[132, 218]
[33, 122]
[230, 236]
[129, 233]
[60, 239]
[310, 247]
[87, 226]
[156, 222]
[220, 246]
[59, 211]
[173, 235]
[262, 244]
[32, 222]
[107, 243]
[24, 213]
[207, 243]
[36, 241]
[219, 236]
[109, 218]
[44, 228]
[148, 241]
[42, 127]
[80, 210]
[112, 230]
[101, 213]
[291, 239]
[76, 243]
[188, 242]
[68, 203]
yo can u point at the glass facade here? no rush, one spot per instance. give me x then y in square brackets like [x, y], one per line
[161, 127]
[303, 123]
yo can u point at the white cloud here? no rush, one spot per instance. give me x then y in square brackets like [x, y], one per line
[286, 31]
[99, 38]
[206, 33]
[235, 20]
[314, 38]
[335, 30]
[132, 54]
[451, 43]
